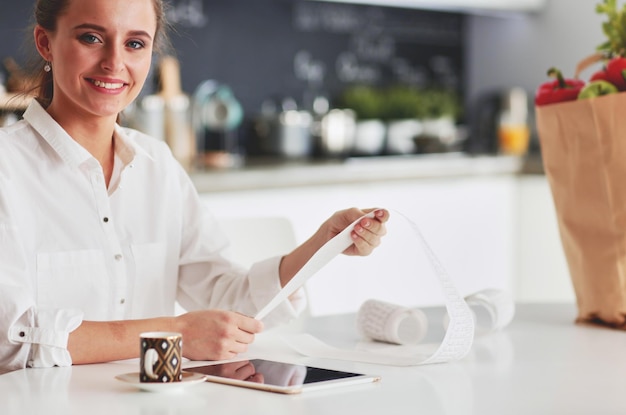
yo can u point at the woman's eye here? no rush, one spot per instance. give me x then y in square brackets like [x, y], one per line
[88, 38]
[135, 44]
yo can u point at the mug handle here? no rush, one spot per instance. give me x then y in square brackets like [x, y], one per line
[149, 359]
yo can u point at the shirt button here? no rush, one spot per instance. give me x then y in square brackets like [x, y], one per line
[22, 334]
[105, 219]
[118, 257]
[122, 301]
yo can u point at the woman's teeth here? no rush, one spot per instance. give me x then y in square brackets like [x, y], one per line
[107, 85]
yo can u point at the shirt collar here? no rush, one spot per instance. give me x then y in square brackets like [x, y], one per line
[67, 148]
[126, 148]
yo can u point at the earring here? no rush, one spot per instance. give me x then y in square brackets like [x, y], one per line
[47, 67]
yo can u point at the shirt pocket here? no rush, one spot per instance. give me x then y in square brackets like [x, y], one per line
[74, 279]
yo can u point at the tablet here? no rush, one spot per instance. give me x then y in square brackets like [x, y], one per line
[273, 376]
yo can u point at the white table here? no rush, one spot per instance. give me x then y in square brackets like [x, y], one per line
[541, 364]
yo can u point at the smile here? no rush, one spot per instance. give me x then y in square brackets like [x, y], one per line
[107, 85]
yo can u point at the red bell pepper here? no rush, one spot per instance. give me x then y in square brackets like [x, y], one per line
[559, 90]
[616, 72]
[600, 75]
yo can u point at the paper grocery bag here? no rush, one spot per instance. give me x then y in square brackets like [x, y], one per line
[583, 146]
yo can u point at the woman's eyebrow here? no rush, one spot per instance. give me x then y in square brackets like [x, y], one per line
[90, 26]
[99, 28]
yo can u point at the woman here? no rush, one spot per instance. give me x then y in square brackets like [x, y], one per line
[101, 230]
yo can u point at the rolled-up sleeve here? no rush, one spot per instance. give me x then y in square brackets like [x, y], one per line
[30, 337]
[16, 309]
[48, 337]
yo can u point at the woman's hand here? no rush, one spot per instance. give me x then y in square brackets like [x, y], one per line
[216, 334]
[367, 233]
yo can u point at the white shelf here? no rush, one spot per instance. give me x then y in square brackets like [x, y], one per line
[457, 5]
[354, 171]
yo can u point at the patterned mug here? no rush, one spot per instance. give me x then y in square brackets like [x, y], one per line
[161, 356]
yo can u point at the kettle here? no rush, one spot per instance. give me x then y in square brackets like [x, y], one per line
[215, 107]
[216, 116]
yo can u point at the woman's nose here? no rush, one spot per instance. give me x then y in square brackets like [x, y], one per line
[112, 59]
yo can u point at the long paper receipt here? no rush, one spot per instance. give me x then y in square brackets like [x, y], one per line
[455, 345]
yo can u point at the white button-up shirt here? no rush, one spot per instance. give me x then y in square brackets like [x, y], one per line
[72, 249]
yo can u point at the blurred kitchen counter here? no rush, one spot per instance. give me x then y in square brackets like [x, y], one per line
[258, 174]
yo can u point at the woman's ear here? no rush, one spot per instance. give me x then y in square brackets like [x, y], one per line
[42, 42]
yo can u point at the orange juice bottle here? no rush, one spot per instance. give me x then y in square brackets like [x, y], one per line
[513, 139]
[513, 130]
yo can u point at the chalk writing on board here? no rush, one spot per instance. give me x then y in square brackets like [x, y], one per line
[351, 19]
[330, 18]
[374, 46]
[306, 68]
[351, 70]
[406, 73]
[187, 13]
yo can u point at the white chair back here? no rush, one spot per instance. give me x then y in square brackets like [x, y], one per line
[257, 238]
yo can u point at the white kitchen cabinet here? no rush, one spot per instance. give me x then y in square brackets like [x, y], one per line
[470, 223]
[542, 271]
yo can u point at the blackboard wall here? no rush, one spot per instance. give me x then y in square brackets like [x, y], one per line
[278, 48]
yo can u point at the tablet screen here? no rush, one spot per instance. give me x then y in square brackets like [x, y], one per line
[278, 376]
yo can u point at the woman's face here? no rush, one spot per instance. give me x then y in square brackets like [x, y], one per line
[101, 54]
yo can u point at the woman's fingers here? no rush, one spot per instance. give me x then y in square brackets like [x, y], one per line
[367, 233]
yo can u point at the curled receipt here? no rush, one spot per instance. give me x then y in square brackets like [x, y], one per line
[459, 334]
[331, 249]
